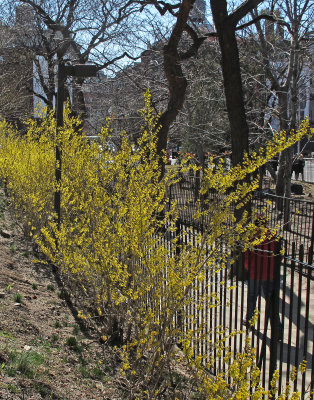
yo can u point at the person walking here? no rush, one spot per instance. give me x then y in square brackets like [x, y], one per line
[260, 264]
[299, 167]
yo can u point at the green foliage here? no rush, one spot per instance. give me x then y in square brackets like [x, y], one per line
[13, 247]
[57, 324]
[12, 388]
[3, 206]
[9, 287]
[91, 372]
[44, 390]
[71, 341]
[18, 298]
[6, 334]
[25, 363]
[76, 330]
[54, 338]
[62, 294]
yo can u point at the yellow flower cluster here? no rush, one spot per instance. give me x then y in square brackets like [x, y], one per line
[27, 169]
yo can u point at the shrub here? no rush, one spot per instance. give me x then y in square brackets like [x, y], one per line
[119, 243]
[27, 166]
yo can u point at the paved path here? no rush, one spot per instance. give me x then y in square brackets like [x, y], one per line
[298, 310]
[296, 314]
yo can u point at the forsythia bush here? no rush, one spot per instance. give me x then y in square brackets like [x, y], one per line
[118, 242]
[27, 167]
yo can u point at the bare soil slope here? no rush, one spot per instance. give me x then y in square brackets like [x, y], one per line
[43, 352]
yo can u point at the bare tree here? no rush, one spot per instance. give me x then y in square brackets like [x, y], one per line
[203, 124]
[74, 31]
[283, 46]
[16, 102]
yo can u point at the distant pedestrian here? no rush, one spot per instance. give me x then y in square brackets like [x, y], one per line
[260, 264]
[299, 167]
[274, 163]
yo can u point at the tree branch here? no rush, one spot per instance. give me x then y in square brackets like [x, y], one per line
[197, 42]
[161, 6]
[244, 9]
[265, 16]
[112, 61]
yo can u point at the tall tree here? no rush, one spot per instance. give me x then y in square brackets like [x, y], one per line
[226, 24]
[284, 48]
[75, 31]
[177, 82]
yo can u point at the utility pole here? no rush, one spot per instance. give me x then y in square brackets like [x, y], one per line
[78, 70]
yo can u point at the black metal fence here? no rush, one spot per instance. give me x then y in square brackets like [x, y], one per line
[283, 335]
[298, 234]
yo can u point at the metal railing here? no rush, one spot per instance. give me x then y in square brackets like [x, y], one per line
[288, 301]
[298, 234]
[283, 346]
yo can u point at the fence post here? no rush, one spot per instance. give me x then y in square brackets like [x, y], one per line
[274, 312]
[59, 117]
[310, 256]
[178, 243]
[170, 196]
[177, 254]
[287, 214]
[197, 185]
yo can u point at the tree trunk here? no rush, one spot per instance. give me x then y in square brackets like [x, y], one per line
[283, 184]
[177, 82]
[230, 64]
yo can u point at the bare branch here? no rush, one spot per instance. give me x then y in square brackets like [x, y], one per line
[161, 6]
[244, 9]
[264, 17]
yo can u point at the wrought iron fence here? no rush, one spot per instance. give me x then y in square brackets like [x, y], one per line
[288, 300]
[283, 335]
[298, 234]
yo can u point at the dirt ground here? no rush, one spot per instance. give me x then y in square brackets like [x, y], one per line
[43, 352]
